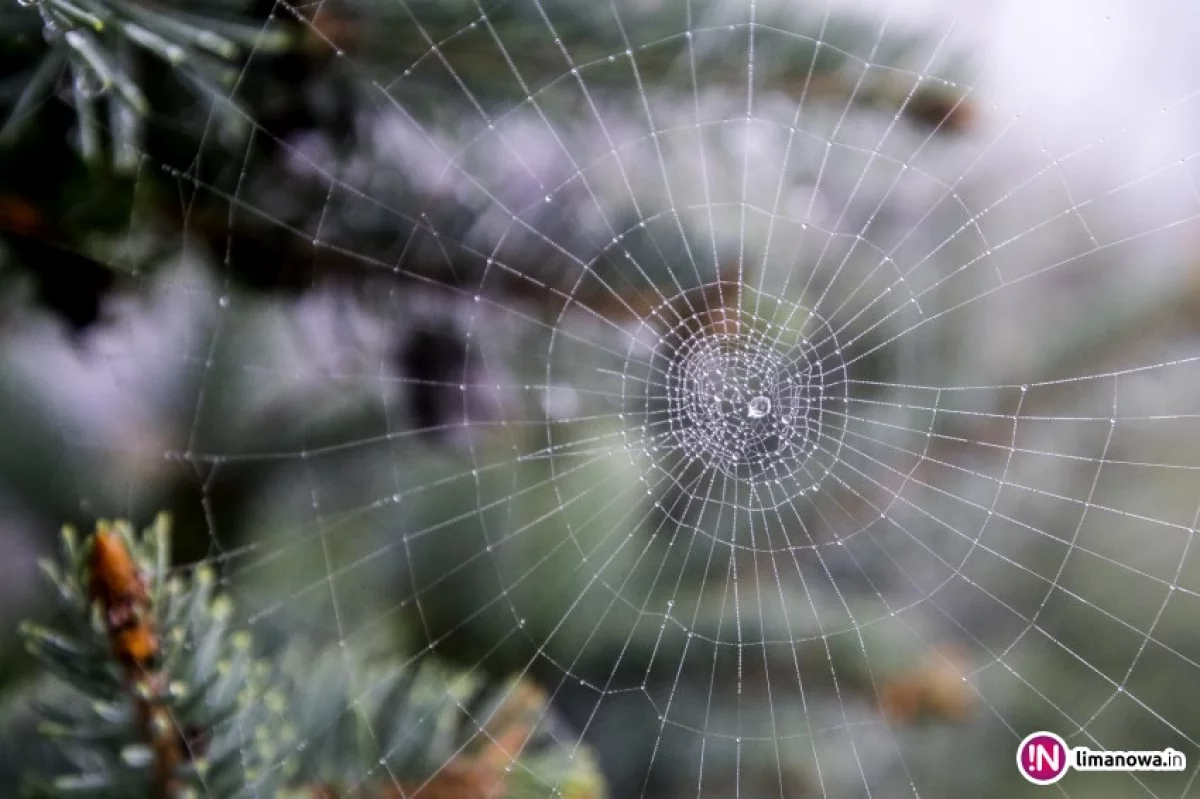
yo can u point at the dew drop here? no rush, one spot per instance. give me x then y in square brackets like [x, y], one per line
[758, 407]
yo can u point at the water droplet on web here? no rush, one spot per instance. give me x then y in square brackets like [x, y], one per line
[758, 407]
[88, 84]
[223, 301]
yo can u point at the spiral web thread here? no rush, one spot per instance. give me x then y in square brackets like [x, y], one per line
[744, 348]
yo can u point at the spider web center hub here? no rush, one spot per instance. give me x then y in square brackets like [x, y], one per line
[753, 395]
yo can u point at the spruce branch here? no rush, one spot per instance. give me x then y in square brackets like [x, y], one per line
[167, 700]
[803, 56]
[157, 695]
[97, 41]
[430, 731]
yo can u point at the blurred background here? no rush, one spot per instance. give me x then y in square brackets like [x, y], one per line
[388, 303]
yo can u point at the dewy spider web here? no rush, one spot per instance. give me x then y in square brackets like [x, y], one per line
[779, 417]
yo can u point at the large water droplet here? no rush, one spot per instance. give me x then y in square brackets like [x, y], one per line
[758, 407]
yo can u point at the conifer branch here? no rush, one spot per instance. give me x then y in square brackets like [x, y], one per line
[166, 699]
[97, 41]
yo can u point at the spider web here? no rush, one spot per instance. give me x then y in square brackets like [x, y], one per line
[796, 445]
